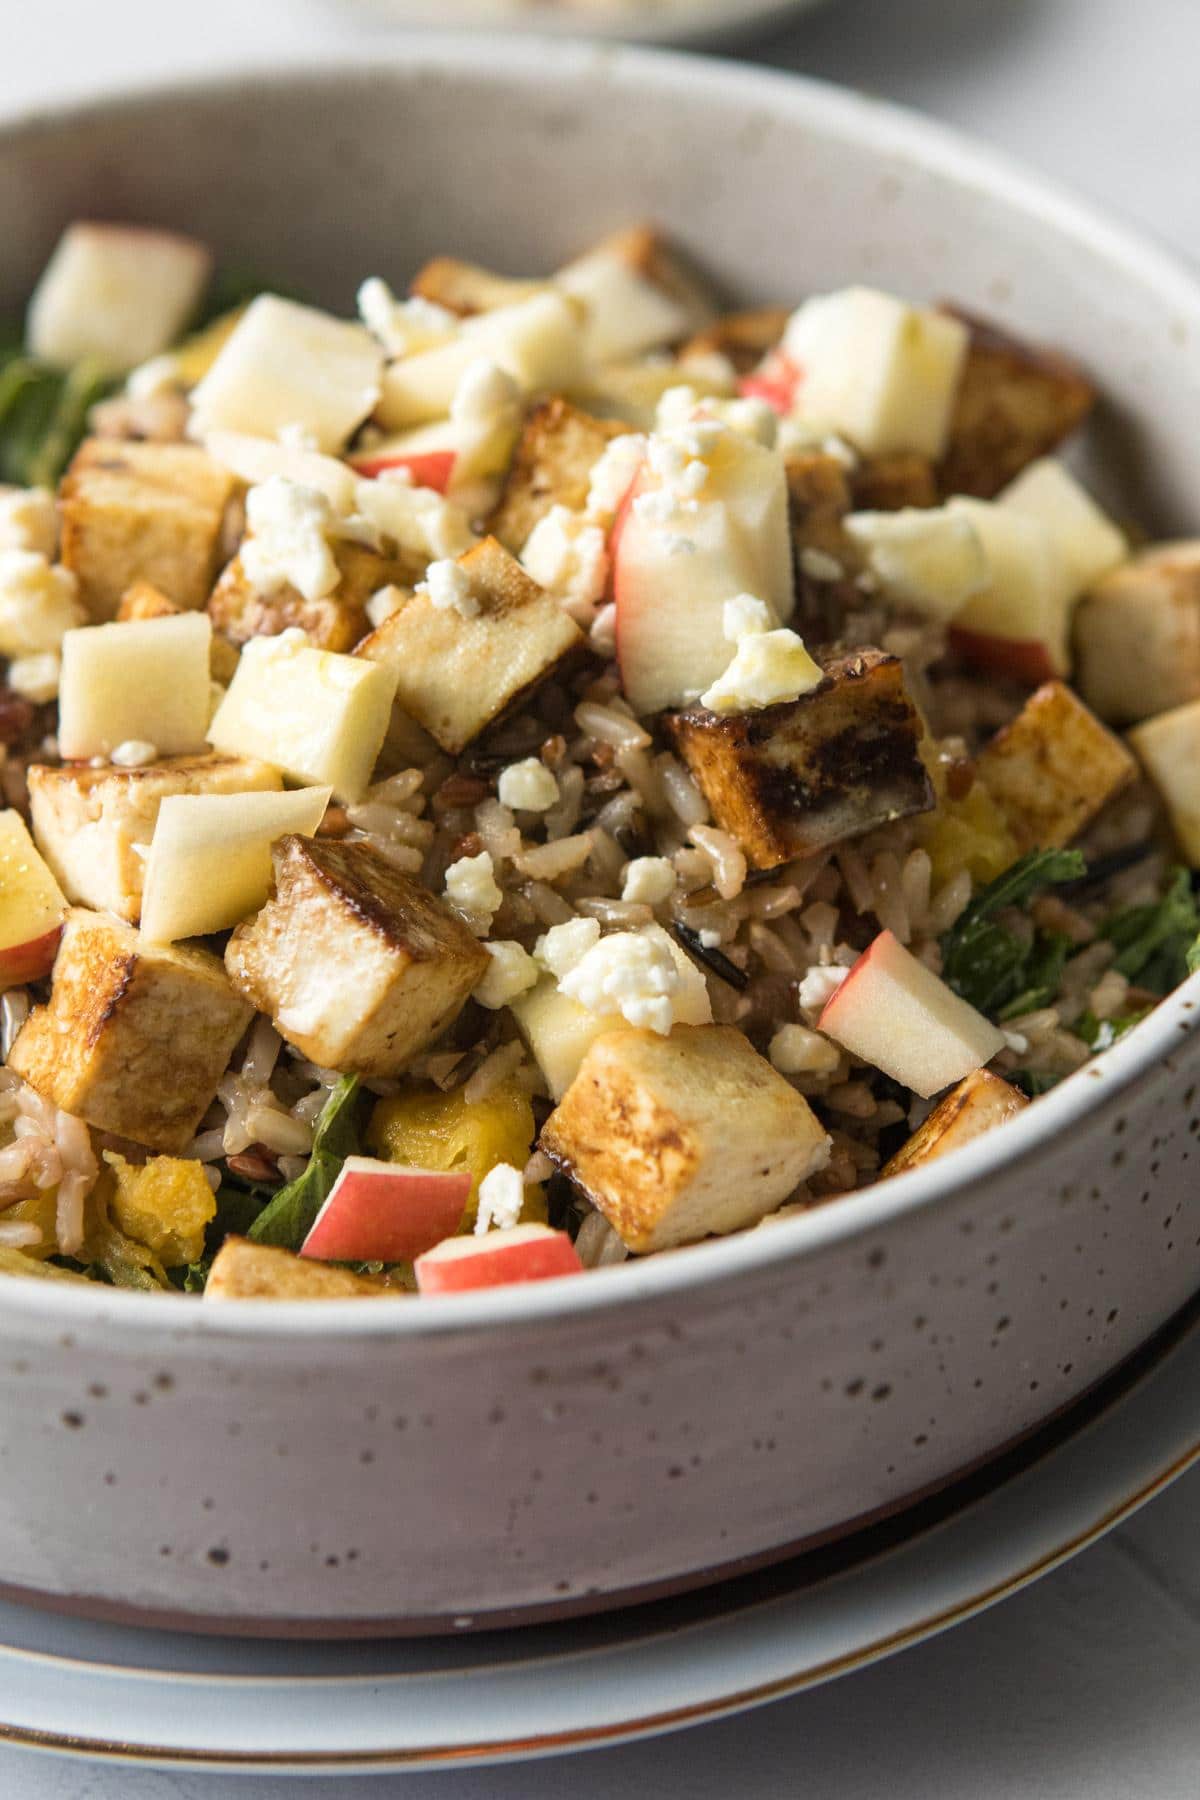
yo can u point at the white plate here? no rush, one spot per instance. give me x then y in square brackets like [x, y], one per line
[675, 22]
[152, 1698]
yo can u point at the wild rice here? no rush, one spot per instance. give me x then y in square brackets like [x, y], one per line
[492, 1071]
[611, 725]
[725, 854]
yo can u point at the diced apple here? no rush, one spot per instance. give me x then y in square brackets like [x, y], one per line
[1019, 625]
[925, 558]
[539, 342]
[427, 454]
[285, 364]
[673, 573]
[257, 459]
[627, 314]
[146, 681]
[1137, 635]
[1169, 750]
[32, 907]
[894, 1013]
[497, 1259]
[978, 1104]
[776, 380]
[379, 1212]
[117, 293]
[210, 857]
[319, 716]
[1089, 544]
[879, 371]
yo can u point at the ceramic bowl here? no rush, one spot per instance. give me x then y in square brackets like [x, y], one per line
[345, 1468]
[677, 22]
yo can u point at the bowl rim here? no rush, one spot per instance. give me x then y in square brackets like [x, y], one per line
[835, 113]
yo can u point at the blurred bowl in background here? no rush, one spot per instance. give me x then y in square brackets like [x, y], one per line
[637, 21]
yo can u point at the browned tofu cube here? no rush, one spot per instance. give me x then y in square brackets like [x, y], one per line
[889, 483]
[677, 1138]
[143, 512]
[243, 1270]
[94, 826]
[790, 779]
[1137, 636]
[465, 287]
[1015, 402]
[135, 1036]
[968, 1110]
[359, 966]
[1053, 768]
[556, 453]
[456, 675]
[338, 621]
[742, 337]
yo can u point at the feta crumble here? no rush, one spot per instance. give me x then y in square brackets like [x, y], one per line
[613, 476]
[134, 753]
[472, 891]
[768, 668]
[567, 554]
[449, 589]
[817, 989]
[527, 786]
[28, 520]
[382, 604]
[563, 946]
[744, 616]
[501, 1197]
[38, 604]
[288, 543]
[750, 417]
[649, 880]
[795, 1050]
[512, 972]
[36, 677]
[629, 973]
[403, 326]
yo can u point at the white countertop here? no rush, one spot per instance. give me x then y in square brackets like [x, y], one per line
[1085, 1686]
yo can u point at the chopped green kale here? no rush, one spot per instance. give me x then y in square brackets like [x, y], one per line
[287, 1219]
[1001, 973]
[1158, 944]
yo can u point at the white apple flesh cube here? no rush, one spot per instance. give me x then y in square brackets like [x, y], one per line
[539, 342]
[378, 1212]
[210, 857]
[257, 459]
[673, 575]
[319, 716]
[879, 371]
[117, 293]
[894, 1013]
[285, 364]
[143, 681]
[627, 315]
[927, 559]
[1020, 623]
[1169, 750]
[1089, 544]
[497, 1259]
[32, 907]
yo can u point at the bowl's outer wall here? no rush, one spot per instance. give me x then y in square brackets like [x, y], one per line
[299, 1477]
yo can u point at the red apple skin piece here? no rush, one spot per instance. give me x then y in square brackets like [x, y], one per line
[379, 1212]
[498, 1259]
[20, 963]
[428, 468]
[1026, 660]
[776, 382]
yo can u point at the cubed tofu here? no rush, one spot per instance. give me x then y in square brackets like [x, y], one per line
[556, 453]
[135, 1036]
[358, 966]
[682, 1137]
[891, 483]
[1137, 636]
[790, 779]
[1015, 402]
[456, 675]
[465, 287]
[142, 512]
[744, 338]
[979, 1102]
[337, 621]
[1168, 748]
[1052, 768]
[94, 826]
[243, 1270]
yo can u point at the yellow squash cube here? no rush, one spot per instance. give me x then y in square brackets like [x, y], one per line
[427, 1129]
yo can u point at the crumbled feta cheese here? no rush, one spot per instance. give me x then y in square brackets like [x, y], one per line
[818, 565]
[449, 588]
[768, 667]
[567, 554]
[527, 786]
[795, 1050]
[750, 417]
[403, 326]
[710, 940]
[603, 635]
[563, 946]
[817, 989]
[418, 520]
[288, 543]
[512, 972]
[134, 753]
[36, 677]
[629, 973]
[38, 603]
[383, 603]
[649, 880]
[472, 890]
[613, 476]
[745, 616]
[501, 1197]
[484, 395]
[28, 520]
[151, 380]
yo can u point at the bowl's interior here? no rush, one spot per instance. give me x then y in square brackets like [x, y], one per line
[518, 155]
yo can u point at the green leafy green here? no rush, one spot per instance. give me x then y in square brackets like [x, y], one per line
[1158, 944]
[1101, 1034]
[998, 971]
[1193, 958]
[287, 1219]
[1034, 1081]
[43, 415]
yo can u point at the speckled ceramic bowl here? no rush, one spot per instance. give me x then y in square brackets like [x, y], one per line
[446, 1462]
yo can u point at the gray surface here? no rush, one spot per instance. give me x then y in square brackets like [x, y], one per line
[1085, 1685]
